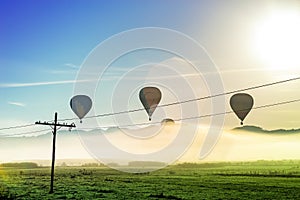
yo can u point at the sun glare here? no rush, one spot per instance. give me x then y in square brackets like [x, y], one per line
[277, 40]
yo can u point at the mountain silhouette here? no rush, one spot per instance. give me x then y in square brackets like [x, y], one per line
[256, 129]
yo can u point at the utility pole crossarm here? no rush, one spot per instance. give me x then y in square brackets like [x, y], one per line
[57, 124]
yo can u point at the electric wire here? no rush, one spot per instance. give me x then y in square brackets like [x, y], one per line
[176, 120]
[181, 102]
[197, 117]
[23, 133]
[190, 100]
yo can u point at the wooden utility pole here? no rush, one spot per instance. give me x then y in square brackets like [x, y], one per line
[54, 127]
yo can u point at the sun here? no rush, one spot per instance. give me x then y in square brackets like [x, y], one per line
[277, 40]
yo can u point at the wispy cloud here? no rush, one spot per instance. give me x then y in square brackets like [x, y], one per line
[14, 85]
[62, 71]
[68, 68]
[16, 103]
[71, 65]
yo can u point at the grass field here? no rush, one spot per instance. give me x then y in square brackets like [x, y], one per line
[249, 180]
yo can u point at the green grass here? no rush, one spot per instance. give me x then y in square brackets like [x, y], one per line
[255, 180]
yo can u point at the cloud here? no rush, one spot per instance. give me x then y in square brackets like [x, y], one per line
[15, 85]
[73, 66]
[179, 68]
[62, 71]
[69, 68]
[111, 77]
[114, 73]
[16, 103]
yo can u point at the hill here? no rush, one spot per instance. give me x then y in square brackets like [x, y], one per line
[256, 129]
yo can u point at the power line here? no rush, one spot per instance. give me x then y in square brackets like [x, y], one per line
[179, 119]
[14, 127]
[170, 104]
[230, 112]
[277, 104]
[23, 133]
[191, 100]
[201, 116]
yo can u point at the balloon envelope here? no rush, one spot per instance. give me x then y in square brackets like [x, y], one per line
[241, 105]
[167, 121]
[81, 105]
[150, 98]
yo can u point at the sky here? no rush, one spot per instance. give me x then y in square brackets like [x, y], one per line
[44, 45]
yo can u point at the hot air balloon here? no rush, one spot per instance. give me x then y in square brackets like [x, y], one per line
[81, 105]
[241, 105]
[150, 98]
[167, 121]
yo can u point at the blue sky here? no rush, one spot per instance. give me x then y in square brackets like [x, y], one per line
[47, 41]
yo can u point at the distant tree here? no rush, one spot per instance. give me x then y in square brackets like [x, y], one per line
[28, 165]
[113, 164]
[90, 165]
[146, 164]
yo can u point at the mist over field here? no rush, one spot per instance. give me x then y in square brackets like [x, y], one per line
[239, 144]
